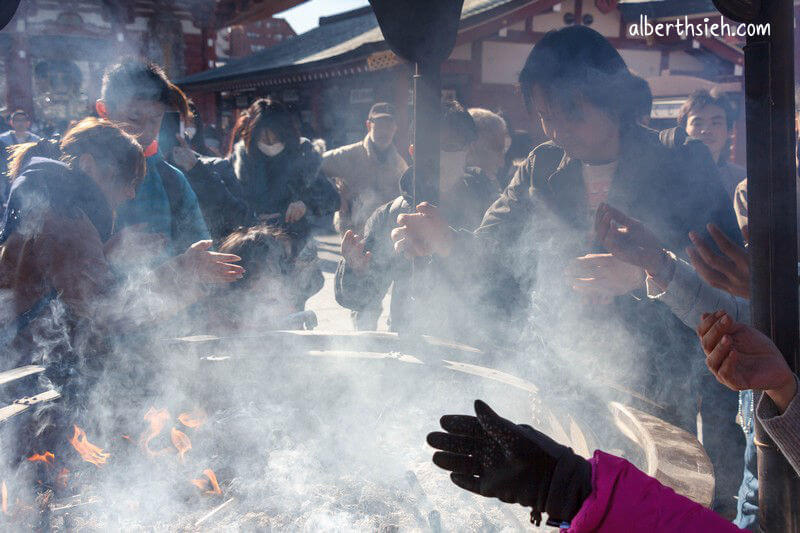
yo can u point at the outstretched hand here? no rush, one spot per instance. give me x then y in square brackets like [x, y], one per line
[741, 358]
[199, 263]
[603, 276]
[182, 155]
[631, 241]
[491, 456]
[353, 252]
[729, 271]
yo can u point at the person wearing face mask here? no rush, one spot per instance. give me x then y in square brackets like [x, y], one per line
[213, 179]
[58, 238]
[370, 264]
[366, 172]
[280, 171]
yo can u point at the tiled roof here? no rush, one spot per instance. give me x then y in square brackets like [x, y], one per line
[336, 37]
[631, 9]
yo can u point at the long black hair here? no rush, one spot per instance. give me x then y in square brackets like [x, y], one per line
[268, 114]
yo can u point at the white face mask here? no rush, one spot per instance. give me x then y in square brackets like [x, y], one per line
[190, 131]
[451, 167]
[270, 150]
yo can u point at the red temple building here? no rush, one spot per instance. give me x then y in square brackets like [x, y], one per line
[333, 73]
[53, 52]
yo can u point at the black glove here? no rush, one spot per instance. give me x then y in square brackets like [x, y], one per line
[494, 457]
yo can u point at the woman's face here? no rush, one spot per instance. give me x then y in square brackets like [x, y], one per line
[267, 136]
[116, 188]
[583, 130]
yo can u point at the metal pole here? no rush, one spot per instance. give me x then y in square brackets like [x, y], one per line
[427, 124]
[427, 112]
[771, 187]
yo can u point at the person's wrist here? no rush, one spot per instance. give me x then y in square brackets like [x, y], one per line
[662, 270]
[783, 395]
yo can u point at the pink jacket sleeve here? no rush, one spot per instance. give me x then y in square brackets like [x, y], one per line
[624, 498]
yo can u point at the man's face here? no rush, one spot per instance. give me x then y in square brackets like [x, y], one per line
[710, 126]
[582, 130]
[20, 123]
[140, 118]
[381, 131]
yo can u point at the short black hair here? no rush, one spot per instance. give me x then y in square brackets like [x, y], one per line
[136, 79]
[577, 61]
[458, 122]
[702, 98]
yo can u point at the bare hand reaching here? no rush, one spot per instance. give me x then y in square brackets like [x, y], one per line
[422, 233]
[741, 358]
[729, 271]
[603, 275]
[633, 242]
[295, 211]
[353, 252]
[199, 263]
[182, 155]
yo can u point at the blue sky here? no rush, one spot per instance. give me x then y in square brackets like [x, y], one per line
[306, 16]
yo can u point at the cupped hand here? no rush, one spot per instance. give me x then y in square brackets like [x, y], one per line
[729, 271]
[295, 211]
[200, 263]
[353, 252]
[422, 233]
[741, 358]
[603, 275]
[182, 155]
[633, 242]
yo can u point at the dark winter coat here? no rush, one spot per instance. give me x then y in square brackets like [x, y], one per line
[270, 184]
[542, 222]
[436, 295]
[220, 196]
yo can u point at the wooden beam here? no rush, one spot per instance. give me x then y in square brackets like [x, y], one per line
[23, 404]
[485, 28]
[18, 373]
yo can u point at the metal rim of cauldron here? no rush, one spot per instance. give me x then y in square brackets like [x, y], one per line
[670, 454]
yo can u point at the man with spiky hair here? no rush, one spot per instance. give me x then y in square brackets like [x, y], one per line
[135, 95]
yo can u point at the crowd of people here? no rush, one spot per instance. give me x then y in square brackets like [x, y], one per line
[129, 219]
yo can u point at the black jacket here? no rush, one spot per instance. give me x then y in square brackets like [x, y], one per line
[670, 183]
[514, 262]
[220, 196]
[434, 307]
[270, 184]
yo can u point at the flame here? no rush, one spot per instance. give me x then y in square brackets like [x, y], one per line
[181, 442]
[47, 458]
[62, 477]
[157, 418]
[88, 451]
[4, 497]
[194, 419]
[203, 484]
